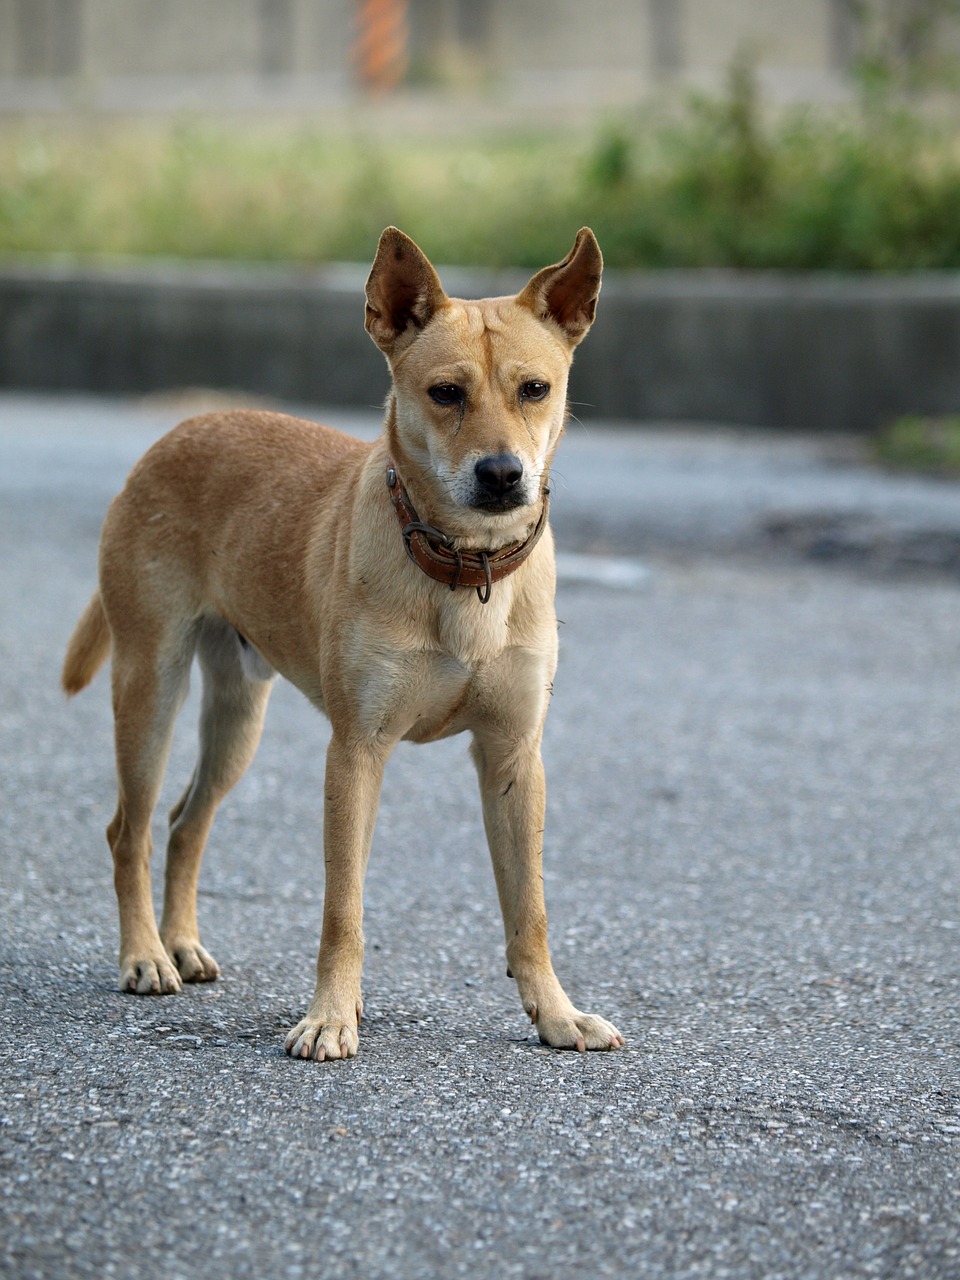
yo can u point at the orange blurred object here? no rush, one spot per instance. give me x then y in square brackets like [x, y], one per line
[380, 52]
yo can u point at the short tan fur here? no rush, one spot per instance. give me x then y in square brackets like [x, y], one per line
[259, 543]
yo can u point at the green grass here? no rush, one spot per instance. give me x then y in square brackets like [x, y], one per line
[716, 184]
[930, 446]
[197, 191]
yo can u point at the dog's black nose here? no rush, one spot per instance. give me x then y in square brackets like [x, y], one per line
[499, 473]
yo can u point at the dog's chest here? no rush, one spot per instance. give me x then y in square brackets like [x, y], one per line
[416, 681]
[417, 696]
[440, 695]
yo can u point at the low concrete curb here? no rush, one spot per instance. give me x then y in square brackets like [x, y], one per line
[812, 352]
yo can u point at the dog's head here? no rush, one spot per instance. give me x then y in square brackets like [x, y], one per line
[479, 388]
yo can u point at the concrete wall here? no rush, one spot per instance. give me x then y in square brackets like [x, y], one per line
[223, 37]
[607, 50]
[810, 353]
[107, 38]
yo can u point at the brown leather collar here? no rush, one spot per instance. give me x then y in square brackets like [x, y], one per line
[432, 551]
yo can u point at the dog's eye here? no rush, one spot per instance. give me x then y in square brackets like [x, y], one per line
[447, 394]
[534, 390]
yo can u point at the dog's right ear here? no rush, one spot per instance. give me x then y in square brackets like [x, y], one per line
[403, 292]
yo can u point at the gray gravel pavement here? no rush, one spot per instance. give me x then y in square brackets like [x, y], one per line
[751, 864]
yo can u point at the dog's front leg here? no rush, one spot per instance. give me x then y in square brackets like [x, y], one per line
[351, 796]
[514, 797]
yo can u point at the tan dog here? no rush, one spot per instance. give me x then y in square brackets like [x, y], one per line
[404, 586]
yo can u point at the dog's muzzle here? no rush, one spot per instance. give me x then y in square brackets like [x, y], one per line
[498, 483]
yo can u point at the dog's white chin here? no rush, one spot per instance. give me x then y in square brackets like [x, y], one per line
[478, 530]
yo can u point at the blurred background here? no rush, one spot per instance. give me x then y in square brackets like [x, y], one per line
[766, 133]
[801, 136]
[134, 55]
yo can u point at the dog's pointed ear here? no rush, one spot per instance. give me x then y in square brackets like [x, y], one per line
[403, 292]
[567, 293]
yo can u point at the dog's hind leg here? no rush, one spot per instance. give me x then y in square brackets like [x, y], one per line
[149, 686]
[236, 688]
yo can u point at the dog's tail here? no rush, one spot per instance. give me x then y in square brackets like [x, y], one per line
[88, 649]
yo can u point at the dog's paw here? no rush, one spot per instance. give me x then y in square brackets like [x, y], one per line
[194, 963]
[575, 1030]
[150, 976]
[323, 1038]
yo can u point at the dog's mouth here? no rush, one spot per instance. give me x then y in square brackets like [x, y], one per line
[498, 505]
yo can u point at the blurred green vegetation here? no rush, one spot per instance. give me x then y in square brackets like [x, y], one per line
[930, 446]
[716, 183]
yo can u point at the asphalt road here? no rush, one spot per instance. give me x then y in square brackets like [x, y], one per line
[751, 865]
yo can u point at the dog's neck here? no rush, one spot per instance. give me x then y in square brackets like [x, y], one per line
[435, 552]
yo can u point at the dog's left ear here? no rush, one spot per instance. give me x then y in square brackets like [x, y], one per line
[403, 292]
[567, 293]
